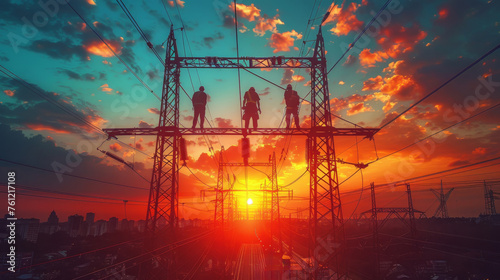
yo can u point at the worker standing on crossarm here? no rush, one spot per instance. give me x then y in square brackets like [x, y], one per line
[292, 101]
[251, 104]
[199, 102]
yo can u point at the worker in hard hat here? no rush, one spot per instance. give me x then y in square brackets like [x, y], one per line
[199, 102]
[251, 104]
[292, 101]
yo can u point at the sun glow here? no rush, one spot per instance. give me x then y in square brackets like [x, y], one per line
[249, 201]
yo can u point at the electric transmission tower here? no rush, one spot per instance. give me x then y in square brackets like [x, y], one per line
[442, 210]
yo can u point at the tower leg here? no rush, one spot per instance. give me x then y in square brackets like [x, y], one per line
[162, 211]
[325, 216]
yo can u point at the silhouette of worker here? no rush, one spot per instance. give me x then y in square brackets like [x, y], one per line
[292, 101]
[251, 104]
[199, 102]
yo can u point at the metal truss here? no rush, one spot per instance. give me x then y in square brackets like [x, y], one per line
[325, 212]
[212, 62]
[310, 132]
[162, 209]
[405, 214]
[326, 221]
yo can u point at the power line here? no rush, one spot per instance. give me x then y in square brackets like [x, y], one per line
[442, 85]
[444, 129]
[69, 199]
[238, 57]
[71, 175]
[201, 181]
[139, 29]
[32, 88]
[434, 91]
[170, 247]
[24, 187]
[187, 38]
[63, 107]
[111, 49]
[395, 183]
[359, 35]
[81, 254]
[166, 11]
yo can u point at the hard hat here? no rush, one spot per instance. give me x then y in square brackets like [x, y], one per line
[202, 88]
[289, 86]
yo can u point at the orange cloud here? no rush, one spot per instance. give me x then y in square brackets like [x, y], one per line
[281, 42]
[392, 66]
[246, 12]
[402, 86]
[344, 17]
[298, 78]
[267, 24]
[100, 49]
[397, 39]
[41, 127]
[479, 151]
[338, 104]
[94, 119]
[106, 88]
[179, 3]
[115, 147]
[9, 92]
[372, 83]
[91, 2]
[154, 111]
[358, 108]
[368, 59]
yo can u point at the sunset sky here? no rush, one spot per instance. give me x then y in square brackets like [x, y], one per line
[410, 50]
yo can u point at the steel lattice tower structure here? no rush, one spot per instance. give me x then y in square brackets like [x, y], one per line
[442, 209]
[326, 221]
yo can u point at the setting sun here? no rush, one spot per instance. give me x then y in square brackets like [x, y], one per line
[249, 201]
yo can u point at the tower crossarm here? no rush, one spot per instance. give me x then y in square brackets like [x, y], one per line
[213, 62]
[170, 131]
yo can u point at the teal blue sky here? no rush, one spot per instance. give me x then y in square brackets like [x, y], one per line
[411, 49]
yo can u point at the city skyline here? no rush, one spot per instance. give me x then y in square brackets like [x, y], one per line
[410, 50]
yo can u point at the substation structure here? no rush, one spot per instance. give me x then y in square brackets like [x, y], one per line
[325, 211]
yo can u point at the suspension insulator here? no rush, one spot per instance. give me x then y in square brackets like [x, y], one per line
[113, 156]
[183, 149]
[245, 149]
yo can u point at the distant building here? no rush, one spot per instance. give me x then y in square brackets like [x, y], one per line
[53, 219]
[28, 229]
[89, 218]
[52, 224]
[124, 225]
[75, 225]
[99, 228]
[112, 224]
[89, 221]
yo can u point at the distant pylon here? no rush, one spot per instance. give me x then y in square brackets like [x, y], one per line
[442, 210]
[489, 197]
